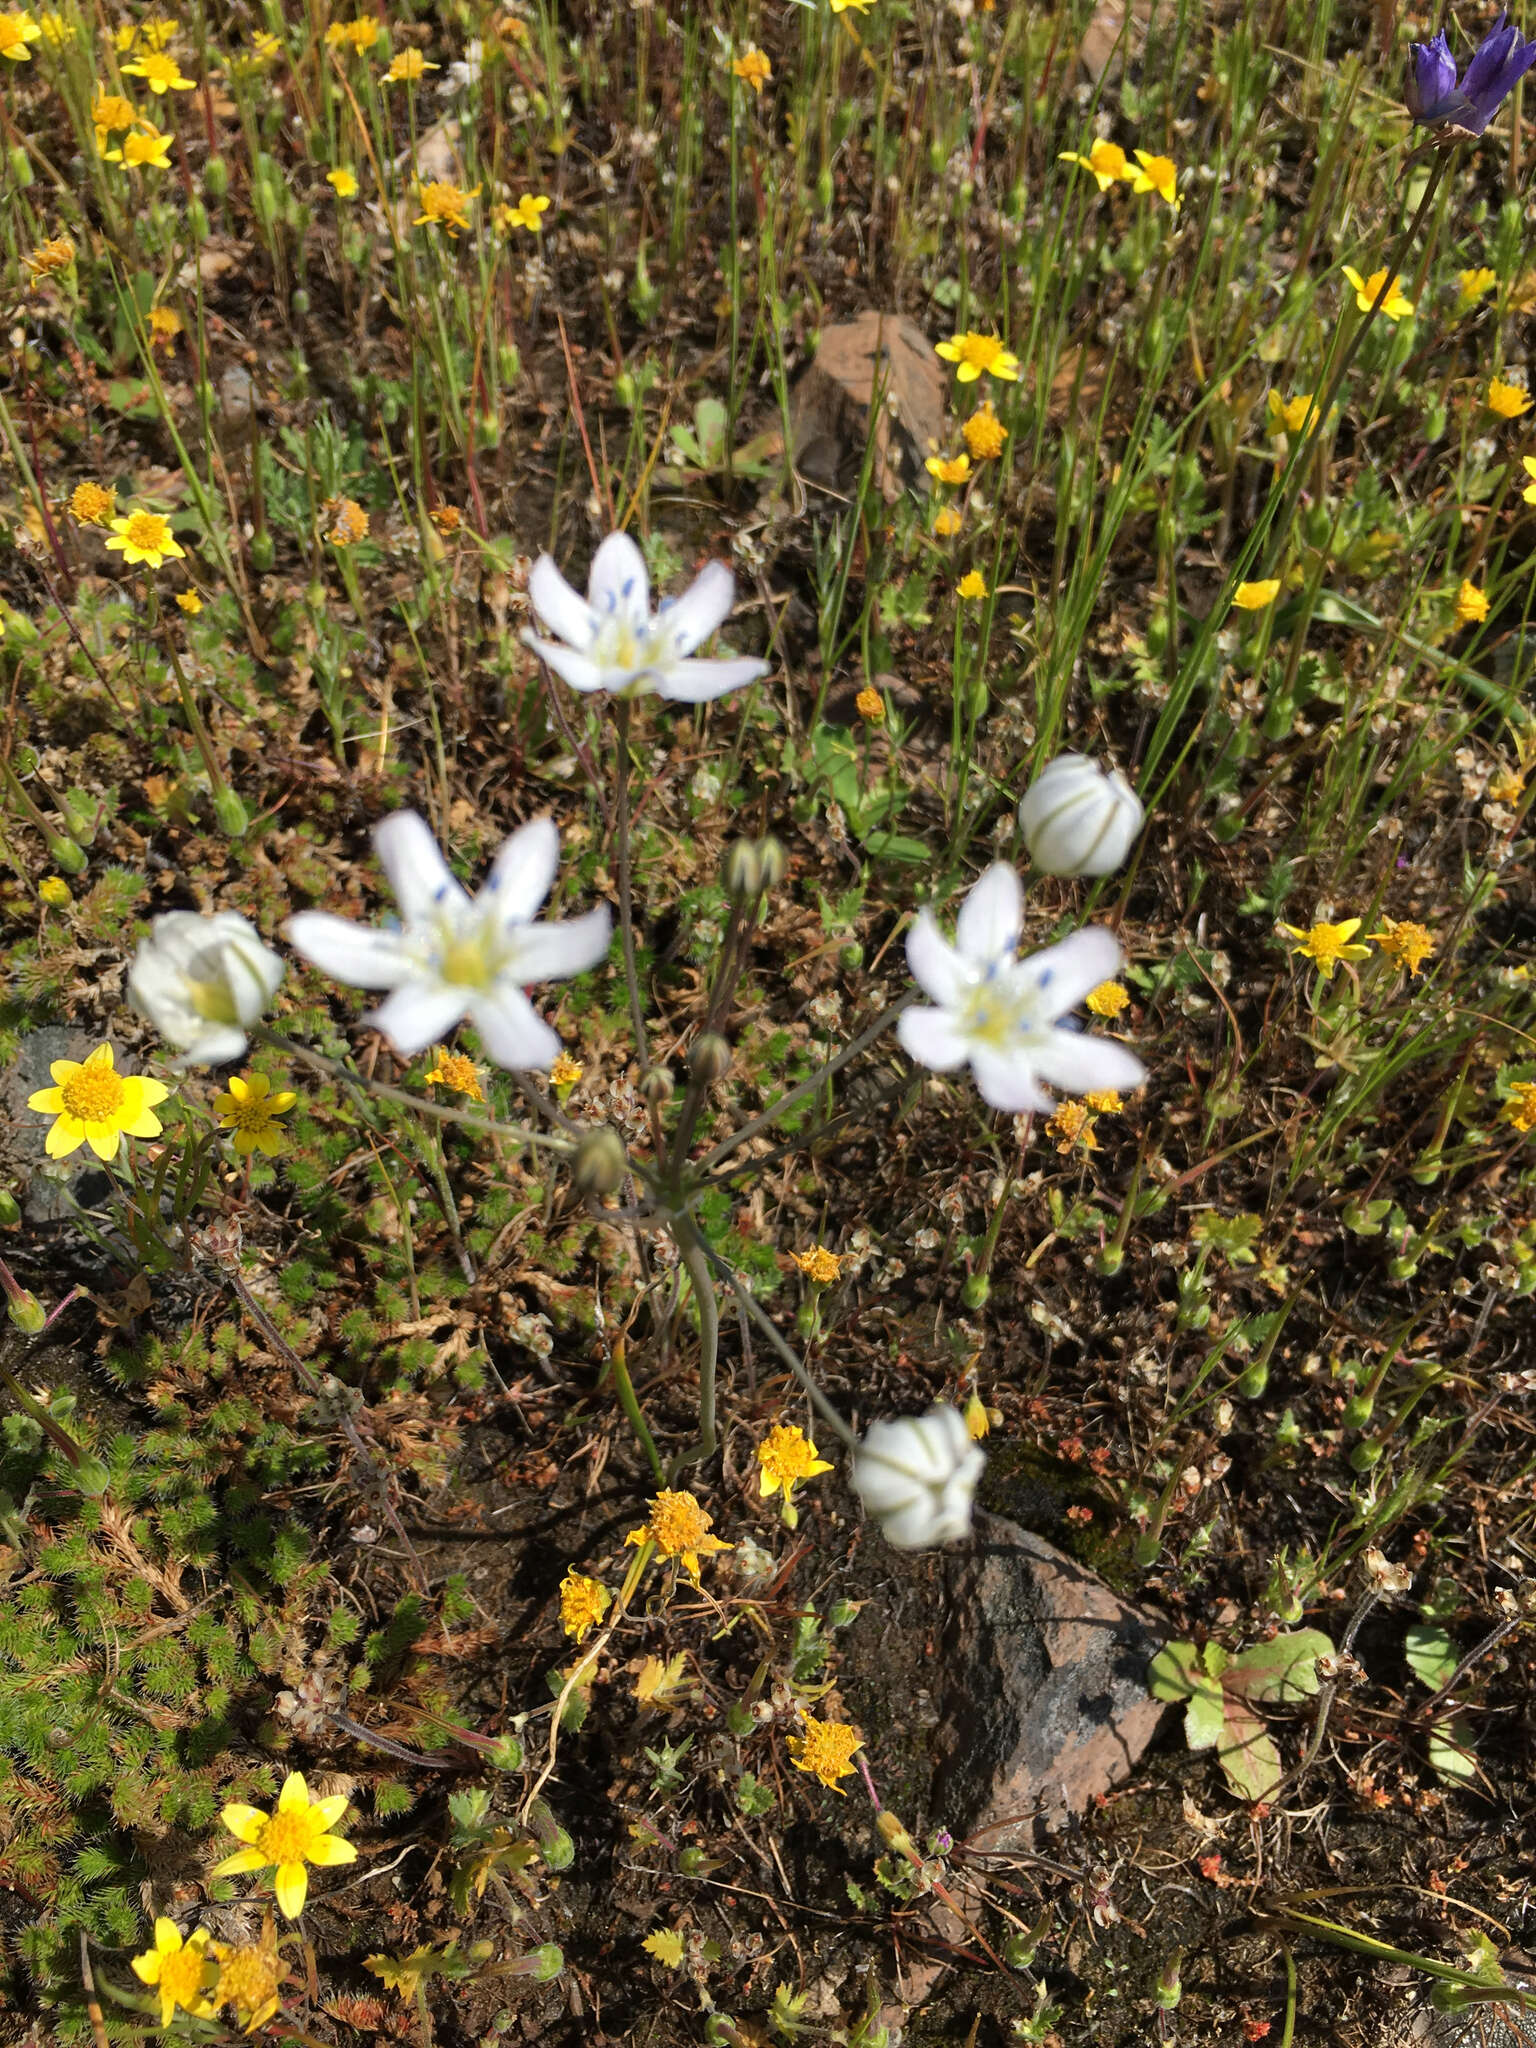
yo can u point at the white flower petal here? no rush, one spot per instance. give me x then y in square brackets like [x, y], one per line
[618, 585]
[932, 1038]
[915, 1526]
[523, 873]
[701, 682]
[354, 953]
[560, 610]
[512, 1032]
[991, 917]
[701, 610]
[418, 1014]
[425, 887]
[571, 667]
[215, 1046]
[1079, 1061]
[1007, 1080]
[554, 952]
[936, 967]
[1065, 973]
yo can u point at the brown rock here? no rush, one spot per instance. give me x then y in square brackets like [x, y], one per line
[829, 408]
[1047, 1703]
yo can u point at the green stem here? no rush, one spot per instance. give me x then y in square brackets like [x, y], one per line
[624, 1387]
[626, 895]
[750, 1308]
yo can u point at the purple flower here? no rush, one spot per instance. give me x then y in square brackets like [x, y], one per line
[1435, 98]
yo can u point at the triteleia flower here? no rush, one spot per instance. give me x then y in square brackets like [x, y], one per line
[1437, 99]
[342, 182]
[1078, 818]
[1254, 597]
[443, 204]
[1508, 400]
[459, 956]
[1395, 306]
[1528, 464]
[16, 31]
[458, 1071]
[583, 1603]
[1001, 1013]
[753, 69]
[948, 469]
[250, 1109]
[144, 537]
[917, 1477]
[1409, 944]
[1108, 999]
[679, 1528]
[160, 73]
[786, 1455]
[609, 641]
[1106, 160]
[1471, 604]
[1472, 285]
[979, 355]
[1159, 174]
[1328, 945]
[92, 1104]
[249, 1978]
[407, 67]
[297, 1834]
[971, 585]
[91, 505]
[181, 1971]
[203, 982]
[825, 1750]
[1520, 1107]
[984, 434]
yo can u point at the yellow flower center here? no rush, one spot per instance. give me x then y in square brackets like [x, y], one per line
[1326, 942]
[678, 1523]
[981, 349]
[787, 1455]
[94, 1095]
[286, 1837]
[999, 1009]
[147, 530]
[471, 959]
[181, 1975]
[254, 1114]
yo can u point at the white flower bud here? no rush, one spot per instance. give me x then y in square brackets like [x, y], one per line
[203, 982]
[917, 1476]
[1079, 819]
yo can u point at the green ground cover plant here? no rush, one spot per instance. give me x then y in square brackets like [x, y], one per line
[638, 971]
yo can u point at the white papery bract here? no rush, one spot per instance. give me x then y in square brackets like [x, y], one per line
[202, 982]
[609, 641]
[917, 1477]
[1079, 818]
[458, 956]
[1002, 1013]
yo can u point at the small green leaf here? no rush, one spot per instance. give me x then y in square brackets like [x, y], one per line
[1430, 1653]
[1248, 1757]
[1450, 1754]
[1285, 1668]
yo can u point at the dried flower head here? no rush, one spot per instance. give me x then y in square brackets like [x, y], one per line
[825, 1750]
[583, 1603]
[679, 1528]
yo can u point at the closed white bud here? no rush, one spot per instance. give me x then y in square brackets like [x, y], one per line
[1078, 818]
[203, 982]
[918, 1476]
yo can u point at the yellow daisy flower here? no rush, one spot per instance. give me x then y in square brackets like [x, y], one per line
[753, 69]
[1159, 174]
[826, 1750]
[583, 1603]
[679, 1528]
[1471, 604]
[1394, 306]
[948, 469]
[182, 1972]
[1253, 597]
[979, 355]
[407, 67]
[343, 183]
[144, 537]
[443, 204]
[1328, 945]
[94, 1105]
[251, 1110]
[972, 584]
[160, 73]
[1106, 160]
[298, 1833]
[16, 31]
[1507, 400]
[786, 1455]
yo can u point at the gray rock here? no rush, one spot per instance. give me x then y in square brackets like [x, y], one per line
[1047, 1704]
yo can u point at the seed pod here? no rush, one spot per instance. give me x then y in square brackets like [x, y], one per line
[710, 1059]
[601, 1162]
[656, 1086]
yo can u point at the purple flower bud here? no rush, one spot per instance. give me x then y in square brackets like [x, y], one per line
[1435, 98]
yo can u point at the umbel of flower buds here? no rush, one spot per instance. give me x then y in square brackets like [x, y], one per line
[1079, 819]
[917, 1477]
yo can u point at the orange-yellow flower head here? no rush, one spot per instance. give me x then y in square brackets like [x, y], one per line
[1508, 401]
[826, 1750]
[250, 1109]
[92, 1104]
[181, 1971]
[979, 355]
[1328, 946]
[984, 434]
[16, 31]
[1106, 160]
[407, 67]
[1409, 944]
[1471, 604]
[753, 69]
[144, 537]
[1159, 174]
[297, 1834]
[160, 73]
[679, 1528]
[443, 205]
[1395, 306]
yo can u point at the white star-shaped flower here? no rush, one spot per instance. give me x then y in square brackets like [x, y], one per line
[458, 956]
[609, 641]
[1002, 1013]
